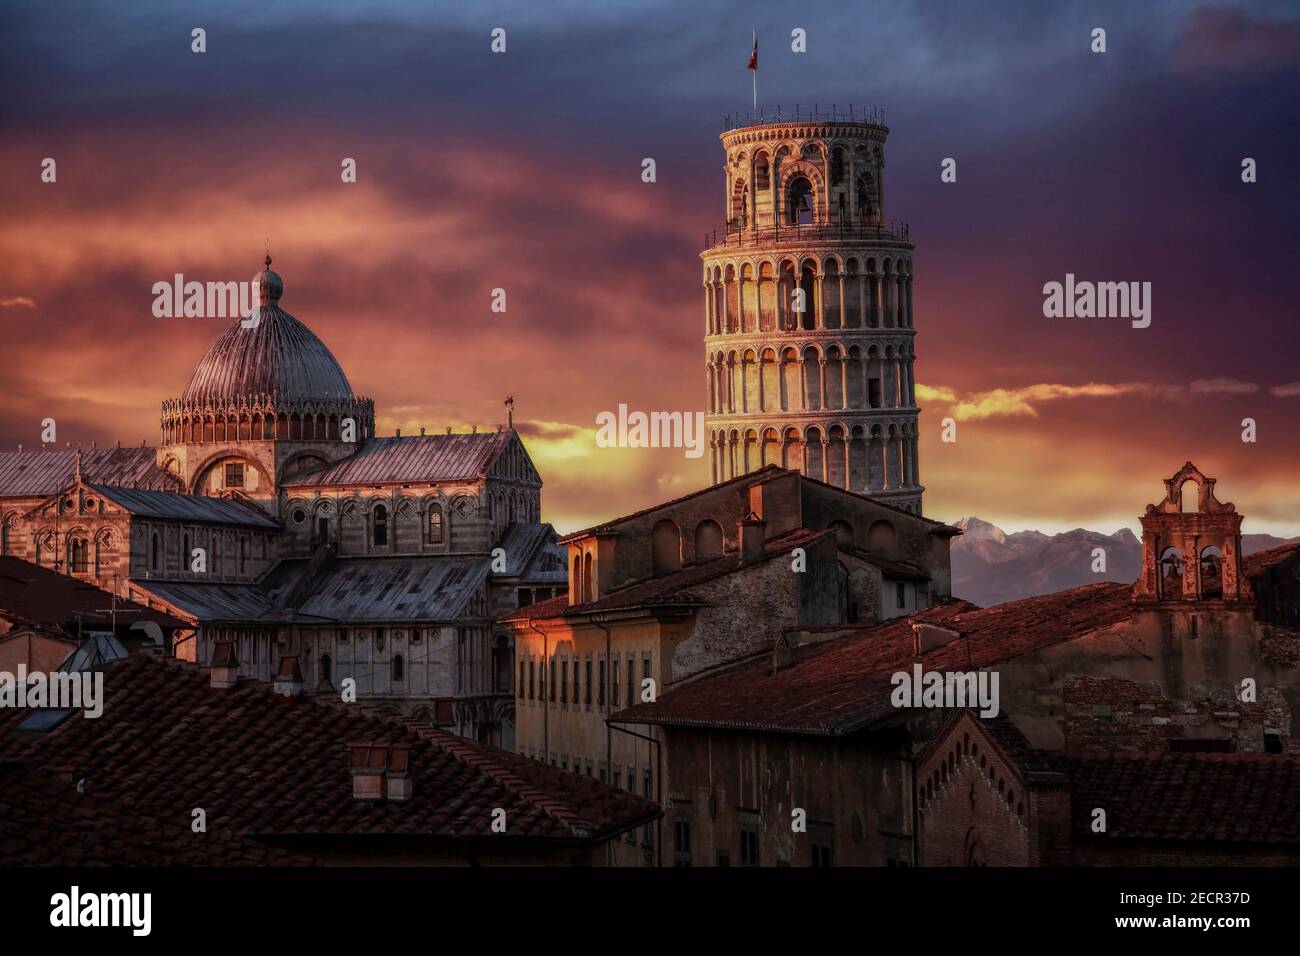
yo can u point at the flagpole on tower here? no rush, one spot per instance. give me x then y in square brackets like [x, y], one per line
[755, 68]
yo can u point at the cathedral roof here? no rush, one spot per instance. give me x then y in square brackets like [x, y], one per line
[270, 353]
[43, 473]
[178, 507]
[411, 458]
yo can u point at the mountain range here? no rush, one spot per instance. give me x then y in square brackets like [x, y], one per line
[990, 566]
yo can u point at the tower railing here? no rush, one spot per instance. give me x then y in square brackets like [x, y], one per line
[735, 234]
[874, 115]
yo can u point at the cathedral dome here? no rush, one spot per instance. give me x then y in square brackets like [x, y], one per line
[271, 353]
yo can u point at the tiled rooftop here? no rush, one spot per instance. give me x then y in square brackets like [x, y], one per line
[263, 765]
[841, 685]
[1244, 798]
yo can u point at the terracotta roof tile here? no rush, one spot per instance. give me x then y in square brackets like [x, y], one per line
[843, 684]
[44, 821]
[1256, 564]
[265, 765]
[1239, 798]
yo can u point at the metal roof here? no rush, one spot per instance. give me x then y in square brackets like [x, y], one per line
[42, 473]
[409, 459]
[277, 356]
[207, 602]
[178, 507]
[343, 591]
[533, 555]
[393, 589]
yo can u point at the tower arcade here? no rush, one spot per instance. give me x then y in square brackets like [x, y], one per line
[809, 338]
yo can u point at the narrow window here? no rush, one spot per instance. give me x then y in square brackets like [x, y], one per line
[435, 524]
[603, 677]
[381, 526]
[399, 667]
[235, 475]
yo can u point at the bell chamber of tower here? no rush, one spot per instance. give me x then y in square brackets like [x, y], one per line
[808, 312]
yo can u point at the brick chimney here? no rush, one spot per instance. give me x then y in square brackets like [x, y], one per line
[223, 671]
[288, 679]
[398, 777]
[380, 770]
[753, 536]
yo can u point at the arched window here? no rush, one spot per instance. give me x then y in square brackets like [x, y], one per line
[708, 539]
[399, 667]
[666, 547]
[435, 524]
[153, 552]
[1211, 572]
[1171, 574]
[1189, 493]
[577, 580]
[380, 522]
[882, 539]
[501, 665]
[843, 531]
[79, 555]
[326, 669]
[4, 537]
[586, 577]
[800, 202]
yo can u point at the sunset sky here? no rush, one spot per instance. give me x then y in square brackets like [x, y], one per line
[522, 171]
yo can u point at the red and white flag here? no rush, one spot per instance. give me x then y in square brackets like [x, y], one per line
[753, 57]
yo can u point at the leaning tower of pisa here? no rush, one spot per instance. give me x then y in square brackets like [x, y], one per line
[808, 309]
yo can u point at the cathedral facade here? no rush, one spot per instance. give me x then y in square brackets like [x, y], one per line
[808, 311]
[272, 515]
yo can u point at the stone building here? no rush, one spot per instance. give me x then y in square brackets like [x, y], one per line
[809, 340]
[1187, 679]
[991, 799]
[687, 586]
[273, 516]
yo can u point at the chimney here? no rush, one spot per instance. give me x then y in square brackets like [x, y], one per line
[398, 777]
[369, 761]
[398, 433]
[380, 770]
[753, 535]
[288, 680]
[926, 637]
[223, 671]
[421, 431]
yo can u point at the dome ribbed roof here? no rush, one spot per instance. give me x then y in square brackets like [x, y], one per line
[275, 355]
